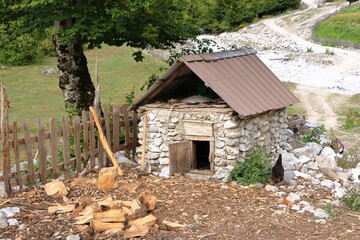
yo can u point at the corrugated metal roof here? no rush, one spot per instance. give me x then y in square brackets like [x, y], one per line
[239, 77]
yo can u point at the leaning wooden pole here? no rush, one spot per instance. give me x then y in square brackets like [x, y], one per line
[143, 143]
[104, 141]
[4, 121]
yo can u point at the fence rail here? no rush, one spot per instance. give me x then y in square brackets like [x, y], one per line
[62, 147]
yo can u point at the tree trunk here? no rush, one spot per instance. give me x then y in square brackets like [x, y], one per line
[74, 81]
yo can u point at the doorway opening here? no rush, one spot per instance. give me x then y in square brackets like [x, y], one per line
[201, 155]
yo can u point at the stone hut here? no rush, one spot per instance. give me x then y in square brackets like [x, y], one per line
[208, 111]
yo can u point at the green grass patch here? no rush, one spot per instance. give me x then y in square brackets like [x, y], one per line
[33, 95]
[343, 26]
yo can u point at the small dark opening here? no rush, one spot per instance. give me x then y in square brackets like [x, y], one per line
[202, 155]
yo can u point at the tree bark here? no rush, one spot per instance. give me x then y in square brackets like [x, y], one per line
[74, 80]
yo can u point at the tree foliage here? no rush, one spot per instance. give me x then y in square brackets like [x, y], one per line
[224, 15]
[91, 23]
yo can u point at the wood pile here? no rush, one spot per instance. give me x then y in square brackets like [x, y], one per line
[129, 219]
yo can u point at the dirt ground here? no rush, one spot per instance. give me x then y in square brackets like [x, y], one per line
[209, 209]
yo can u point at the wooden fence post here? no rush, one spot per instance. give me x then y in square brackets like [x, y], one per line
[42, 151]
[5, 138]
[134, 134]
[127, 129]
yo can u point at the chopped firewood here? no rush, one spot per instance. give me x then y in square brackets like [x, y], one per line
[136, 231]
[149, 220]
[127, 210]
[108, 178]
[171, 226]
[87, 214]
[126, 204]
[138, 209]
[100, 226]
[81, 181]
[84, 219]
[107, 201]
[55, 189]
[114, 231]
[113, 215]
[148, 200]
[61, 209]
[85, 229]
[130, 187]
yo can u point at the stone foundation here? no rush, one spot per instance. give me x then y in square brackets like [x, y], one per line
[233, 136]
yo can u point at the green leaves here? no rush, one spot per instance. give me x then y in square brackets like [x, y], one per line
[255, 168]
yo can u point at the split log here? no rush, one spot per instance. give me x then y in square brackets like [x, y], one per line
[87, 214]
[108, 178]
[136, 231]
[171, 226]
[148, 200]
[105, 226]
[61, 209]
[113, 215]
[149, 220]
[138, 209]
[56, 189]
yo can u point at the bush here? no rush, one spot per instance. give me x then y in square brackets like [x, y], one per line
[255, 168]
[313, 135]
[352, 119]
[352, 199]
[21, 51]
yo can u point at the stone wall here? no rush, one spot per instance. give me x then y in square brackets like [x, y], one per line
[233, 136]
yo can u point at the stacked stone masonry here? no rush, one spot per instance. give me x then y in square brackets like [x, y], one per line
[234, 136]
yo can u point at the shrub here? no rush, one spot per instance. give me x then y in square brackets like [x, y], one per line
[313, 135]
[352, 119]
[352, 199]
[255, 168]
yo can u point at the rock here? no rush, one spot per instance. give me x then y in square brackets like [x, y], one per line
[158, 142]
[326, 162]
[3, 221]
[342, 176]
[289, 175]
[286, 146]
[310, 124]
[327, 183]
[152, 155]
[122, 159]
[303, 175]
[328, 173]
[321, 221]
[280, 194]
[219, 144]
[315, 181]
[233, 135]
[320, 213]
[295, 207]
[224, 187]
[12, 222]
[339, 192]
[73, 237]
[310, 150]
[270, 188]
[221, 173]
[323, 140]
[230, 124]
[288, 161]
[164, 172]
[10, 211]
[154, 149]
[355, 174]
[293, 197]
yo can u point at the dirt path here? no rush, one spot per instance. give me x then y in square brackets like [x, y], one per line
[317, 105]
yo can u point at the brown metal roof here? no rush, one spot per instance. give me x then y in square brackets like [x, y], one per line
[239, 77]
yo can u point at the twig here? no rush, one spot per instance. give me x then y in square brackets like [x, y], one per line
[27, 205]
[4, 202]
[353, 215]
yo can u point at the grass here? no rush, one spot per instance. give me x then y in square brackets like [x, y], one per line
[297, 108]
[33, 95]
[343, 26]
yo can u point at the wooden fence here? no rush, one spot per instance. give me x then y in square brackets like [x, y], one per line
[65, 147]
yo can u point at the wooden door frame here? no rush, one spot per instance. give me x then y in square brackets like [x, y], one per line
[211, 141]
